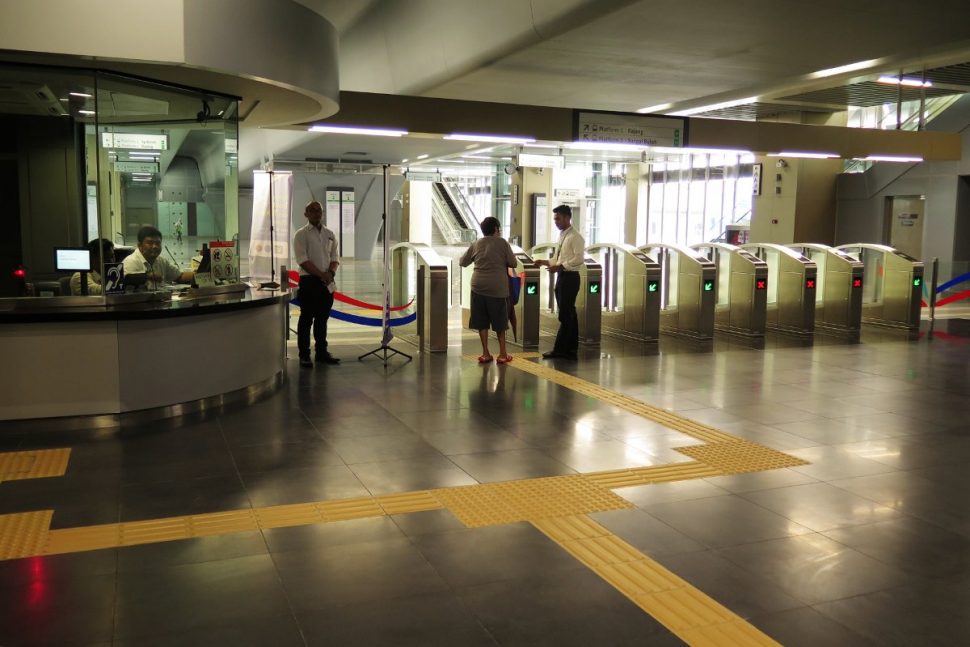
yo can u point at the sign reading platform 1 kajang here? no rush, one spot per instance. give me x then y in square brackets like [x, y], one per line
[628, 128]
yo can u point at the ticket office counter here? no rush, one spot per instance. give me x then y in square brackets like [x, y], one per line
[137, 356]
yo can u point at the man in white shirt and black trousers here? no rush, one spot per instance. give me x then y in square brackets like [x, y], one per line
[569, 257]
[315, 249]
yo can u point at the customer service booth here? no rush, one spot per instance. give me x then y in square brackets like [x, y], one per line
[98, 159]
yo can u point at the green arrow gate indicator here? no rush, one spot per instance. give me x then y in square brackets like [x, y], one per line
[708, 286]
[531, 288]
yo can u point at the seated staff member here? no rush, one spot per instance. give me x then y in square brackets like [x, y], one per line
[147, 260]
[102, 251]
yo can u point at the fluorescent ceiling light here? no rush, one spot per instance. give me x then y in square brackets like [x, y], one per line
[851, 67]
[421, 157]
[697, 151]
[804, 155]
[498, 139]
[476, 157]
[404, 160]
[86, 112]
[715, 106]
[604, 146]
[81, 94]
[905, 81]
[890, 158]
[543, 145]
[657, 108]
[141, 179]
[353, 130]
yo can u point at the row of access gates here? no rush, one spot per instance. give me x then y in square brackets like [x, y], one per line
[690, 292]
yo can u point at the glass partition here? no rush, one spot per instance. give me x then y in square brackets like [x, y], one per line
[92, 155]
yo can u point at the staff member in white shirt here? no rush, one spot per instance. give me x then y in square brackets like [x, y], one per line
[569, 257]
[315, 249]
[147, 260]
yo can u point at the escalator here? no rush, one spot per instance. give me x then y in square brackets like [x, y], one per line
[452, 216]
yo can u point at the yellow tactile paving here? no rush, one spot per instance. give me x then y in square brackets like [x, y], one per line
[740, 456]
[34, 464]
[493, 504]
[689, 613]
[613, 479]
[409, 502]
[686, 426]
[557, 506]
[23, 534]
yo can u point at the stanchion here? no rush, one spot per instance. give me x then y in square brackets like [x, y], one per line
[387, 335]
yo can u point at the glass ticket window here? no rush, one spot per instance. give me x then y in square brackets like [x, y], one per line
[90, 159]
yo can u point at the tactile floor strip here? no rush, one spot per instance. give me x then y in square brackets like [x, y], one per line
[23, 534]
[685, 426]
[630, 477]
[687, 612]
[493, 504]
[34, 464]
[408, 502]
[740, 456]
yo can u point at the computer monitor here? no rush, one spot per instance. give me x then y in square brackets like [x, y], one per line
[72, 259]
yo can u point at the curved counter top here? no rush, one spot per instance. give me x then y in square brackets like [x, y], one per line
[140, 305]
[142, 356]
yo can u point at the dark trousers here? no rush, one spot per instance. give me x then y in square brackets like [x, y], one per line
[567, 288]
[315, 304]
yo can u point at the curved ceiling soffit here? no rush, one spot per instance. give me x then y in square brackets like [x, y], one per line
[280, 58]
[413, 47]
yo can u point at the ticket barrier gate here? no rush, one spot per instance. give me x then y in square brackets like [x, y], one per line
[631, 292]
[686, 291]
[741, 291]
[791, 288]
[838, 291]
[418, 272]
[589, 307]
[525, 332]
[893, 289]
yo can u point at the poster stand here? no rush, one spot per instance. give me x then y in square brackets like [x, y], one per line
[386, 337]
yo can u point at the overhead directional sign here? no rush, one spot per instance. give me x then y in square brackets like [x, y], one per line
[629, 128]
[423, 176]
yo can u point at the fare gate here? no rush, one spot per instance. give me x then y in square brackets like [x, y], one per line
[838, 292]
[631, 292]
[792, 282]
[418, 272]
[588, 301]
[893, 289]
[741, 290]
[687, 290]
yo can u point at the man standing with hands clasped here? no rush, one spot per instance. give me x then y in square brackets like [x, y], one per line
[315, 249]
[567, 260]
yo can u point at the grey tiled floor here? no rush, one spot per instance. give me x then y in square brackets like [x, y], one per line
[869, 544]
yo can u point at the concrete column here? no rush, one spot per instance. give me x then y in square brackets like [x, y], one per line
[525, 182]
[635, 215]
[416, 212]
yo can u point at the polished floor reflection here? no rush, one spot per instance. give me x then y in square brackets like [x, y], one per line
[867, 544]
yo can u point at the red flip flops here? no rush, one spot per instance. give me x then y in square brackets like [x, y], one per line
[503, 359]
[484, 359]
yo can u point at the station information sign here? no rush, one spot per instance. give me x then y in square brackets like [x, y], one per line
[629, 128]
[135, 141]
